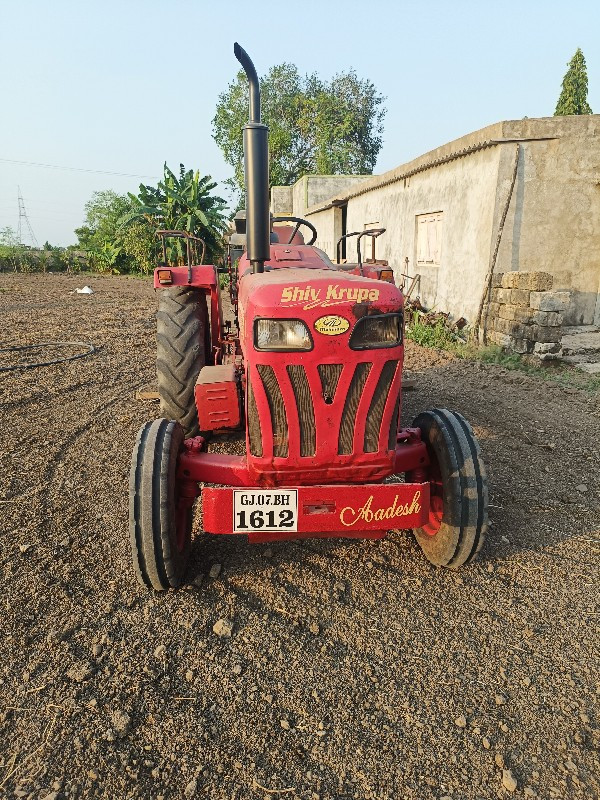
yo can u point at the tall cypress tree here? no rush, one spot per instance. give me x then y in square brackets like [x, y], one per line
[573, 97]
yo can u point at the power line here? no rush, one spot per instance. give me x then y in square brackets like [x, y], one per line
[76, 169]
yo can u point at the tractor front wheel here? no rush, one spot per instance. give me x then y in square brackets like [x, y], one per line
[458, 513]
[183, 348]
[160, 521]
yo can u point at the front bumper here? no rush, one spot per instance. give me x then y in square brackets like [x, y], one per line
[353, 511]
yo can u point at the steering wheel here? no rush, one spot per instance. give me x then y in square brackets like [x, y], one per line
[299, 221]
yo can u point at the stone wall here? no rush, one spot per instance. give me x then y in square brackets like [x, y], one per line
[525, 315]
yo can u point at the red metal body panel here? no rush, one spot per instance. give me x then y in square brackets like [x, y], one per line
[218, 405]
[203, 276]
[332, 510]
[297, 289]
[284, 256]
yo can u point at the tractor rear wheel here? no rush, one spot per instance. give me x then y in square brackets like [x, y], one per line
[458, 514]
[160, 524]
[183, 348]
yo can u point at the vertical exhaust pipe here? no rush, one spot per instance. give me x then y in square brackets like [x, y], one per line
[256, 169]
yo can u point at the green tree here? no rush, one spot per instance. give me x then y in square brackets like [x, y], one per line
[183, 203]
[315, 126]
[102, 216]
[60, 258]
[99, 236]
[11, 251]
[139, 242]
[573, 97]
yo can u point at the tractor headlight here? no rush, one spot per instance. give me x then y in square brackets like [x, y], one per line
[377, 331]
[281, 335]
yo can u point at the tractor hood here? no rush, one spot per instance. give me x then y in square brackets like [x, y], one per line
[288, 257]
[312, 294]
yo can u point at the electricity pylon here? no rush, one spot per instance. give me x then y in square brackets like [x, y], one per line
[24, 223]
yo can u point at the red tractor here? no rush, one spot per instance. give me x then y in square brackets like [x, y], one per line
[313, 374]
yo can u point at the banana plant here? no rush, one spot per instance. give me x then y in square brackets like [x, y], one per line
[105, 258]
[183, 203]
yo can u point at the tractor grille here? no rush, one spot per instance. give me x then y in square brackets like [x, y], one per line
[377, 407]
[277, 408]
[361, 373]
[254, 435]
[306, 412]
[393, 438]
[303, 410]
[330, 375]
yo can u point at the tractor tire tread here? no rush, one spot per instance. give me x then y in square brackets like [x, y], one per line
[481, 484]
[135, 533]
[182, 330]
[465, 522]
[157, 562]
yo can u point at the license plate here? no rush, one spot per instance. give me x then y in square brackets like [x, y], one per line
[268, 510]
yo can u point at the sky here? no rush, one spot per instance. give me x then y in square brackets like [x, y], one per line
[121, 86]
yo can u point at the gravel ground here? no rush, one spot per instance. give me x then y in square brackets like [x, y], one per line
[352, 669]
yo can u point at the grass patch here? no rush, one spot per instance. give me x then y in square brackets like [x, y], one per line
[492, 354]
[553, 371]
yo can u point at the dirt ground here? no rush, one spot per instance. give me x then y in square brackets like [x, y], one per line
[354, 669]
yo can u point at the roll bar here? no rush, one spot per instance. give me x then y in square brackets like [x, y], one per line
[191, 247]
[373, 233]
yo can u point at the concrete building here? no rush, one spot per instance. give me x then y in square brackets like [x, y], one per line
[443, 212]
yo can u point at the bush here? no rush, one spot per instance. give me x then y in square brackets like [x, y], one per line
[437, 335]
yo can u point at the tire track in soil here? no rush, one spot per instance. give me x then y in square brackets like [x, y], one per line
[45, 395]
[74, 435]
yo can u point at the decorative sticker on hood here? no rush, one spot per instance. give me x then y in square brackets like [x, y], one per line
[309, 297]
[332, 325]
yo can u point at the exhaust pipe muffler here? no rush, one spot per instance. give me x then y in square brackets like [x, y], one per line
[256, 171]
